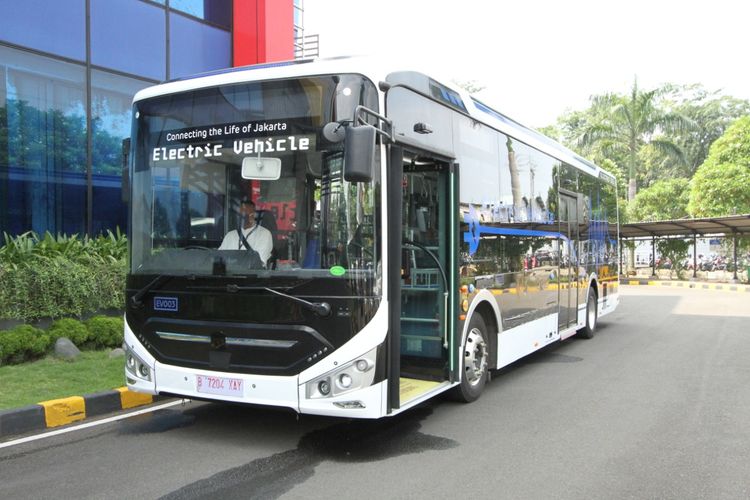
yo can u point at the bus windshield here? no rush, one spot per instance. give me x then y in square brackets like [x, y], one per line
[238, 180]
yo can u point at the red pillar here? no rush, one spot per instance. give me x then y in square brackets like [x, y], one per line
[263, 31]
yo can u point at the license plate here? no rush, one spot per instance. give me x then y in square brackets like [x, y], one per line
[219, 385]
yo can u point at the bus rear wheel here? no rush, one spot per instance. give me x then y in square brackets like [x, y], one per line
[589, 330]
[476, 357]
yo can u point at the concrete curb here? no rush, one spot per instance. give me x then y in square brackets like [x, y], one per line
[57, 412]
[686, 284]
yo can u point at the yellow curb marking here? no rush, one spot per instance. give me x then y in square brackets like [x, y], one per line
[130, 399]
[63, 411]
[695, 285]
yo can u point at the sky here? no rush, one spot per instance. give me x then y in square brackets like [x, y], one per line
[537, 59]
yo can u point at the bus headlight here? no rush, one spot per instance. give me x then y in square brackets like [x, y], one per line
[345, 381]
[346, 378]
[136, 366]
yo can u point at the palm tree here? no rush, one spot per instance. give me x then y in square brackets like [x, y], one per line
[622, 125]
[618, 126]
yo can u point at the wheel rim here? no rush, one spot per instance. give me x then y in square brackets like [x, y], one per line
[475, 357]
[592, 312]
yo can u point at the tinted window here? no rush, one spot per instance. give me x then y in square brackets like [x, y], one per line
[111, 97]
[58, 27]
[197, 47]
[42, 144]
[129, 36]
[214, 11]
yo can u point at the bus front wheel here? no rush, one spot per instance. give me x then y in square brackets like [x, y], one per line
[476, 357]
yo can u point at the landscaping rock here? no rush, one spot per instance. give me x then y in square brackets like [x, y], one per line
[116, 353]
[66, 349]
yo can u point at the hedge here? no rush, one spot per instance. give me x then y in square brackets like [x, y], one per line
[70, 328]
[26, 343]
[22, 343]
[59, 288]
[106, 331]
[61, 276]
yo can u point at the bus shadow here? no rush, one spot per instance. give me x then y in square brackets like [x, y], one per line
[320, 439]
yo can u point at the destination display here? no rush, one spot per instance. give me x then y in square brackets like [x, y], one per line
[245, 138]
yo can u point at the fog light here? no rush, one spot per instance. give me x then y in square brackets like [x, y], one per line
[345, 380]
[362, 365]
[324, 387]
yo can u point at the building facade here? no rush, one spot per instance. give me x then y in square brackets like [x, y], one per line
[68, 72]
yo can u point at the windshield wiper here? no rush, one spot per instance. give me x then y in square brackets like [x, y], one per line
[158, 281]
[320, 308]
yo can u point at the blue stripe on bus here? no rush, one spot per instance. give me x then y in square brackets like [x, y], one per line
[474, 235]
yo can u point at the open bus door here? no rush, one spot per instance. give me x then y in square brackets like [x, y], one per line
[568, 270]
[423, 354]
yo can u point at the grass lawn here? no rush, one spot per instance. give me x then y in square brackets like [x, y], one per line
[51, 378]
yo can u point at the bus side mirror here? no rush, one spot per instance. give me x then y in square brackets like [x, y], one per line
[125, 193]
[359, 156]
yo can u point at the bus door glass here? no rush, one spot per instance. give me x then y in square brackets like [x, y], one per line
[425, 235]
[568, 260]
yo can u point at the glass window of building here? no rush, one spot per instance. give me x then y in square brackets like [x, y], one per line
[214, 11]
[111, 97]
[299, 13]
[129, 36]
[57, 27]
[42, 144]
[196, 47]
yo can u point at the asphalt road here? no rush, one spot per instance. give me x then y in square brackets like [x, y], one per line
[657, 405]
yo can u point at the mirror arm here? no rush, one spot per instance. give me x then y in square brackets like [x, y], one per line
[386, 124]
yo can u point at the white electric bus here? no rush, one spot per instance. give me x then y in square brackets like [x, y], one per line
[403, 239]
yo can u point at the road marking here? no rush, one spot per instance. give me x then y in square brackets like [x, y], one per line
[86, 425]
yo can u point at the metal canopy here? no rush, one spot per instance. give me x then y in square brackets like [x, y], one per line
[734, 224]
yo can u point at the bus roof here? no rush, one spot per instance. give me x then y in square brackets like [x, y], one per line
[377, 70]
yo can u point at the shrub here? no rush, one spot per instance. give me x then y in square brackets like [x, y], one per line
[59, 276]
[22, 343]
[58, 287]
[106, 331]
[70, 328]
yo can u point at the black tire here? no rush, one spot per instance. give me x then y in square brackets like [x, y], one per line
[475, 365]
[592, 316]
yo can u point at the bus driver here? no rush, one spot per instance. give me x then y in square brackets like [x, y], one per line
[253, 236]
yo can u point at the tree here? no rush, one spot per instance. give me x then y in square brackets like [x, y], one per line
[675, 250]
[721, 186]
[620, 126]
[711, 114]
[663, 200]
